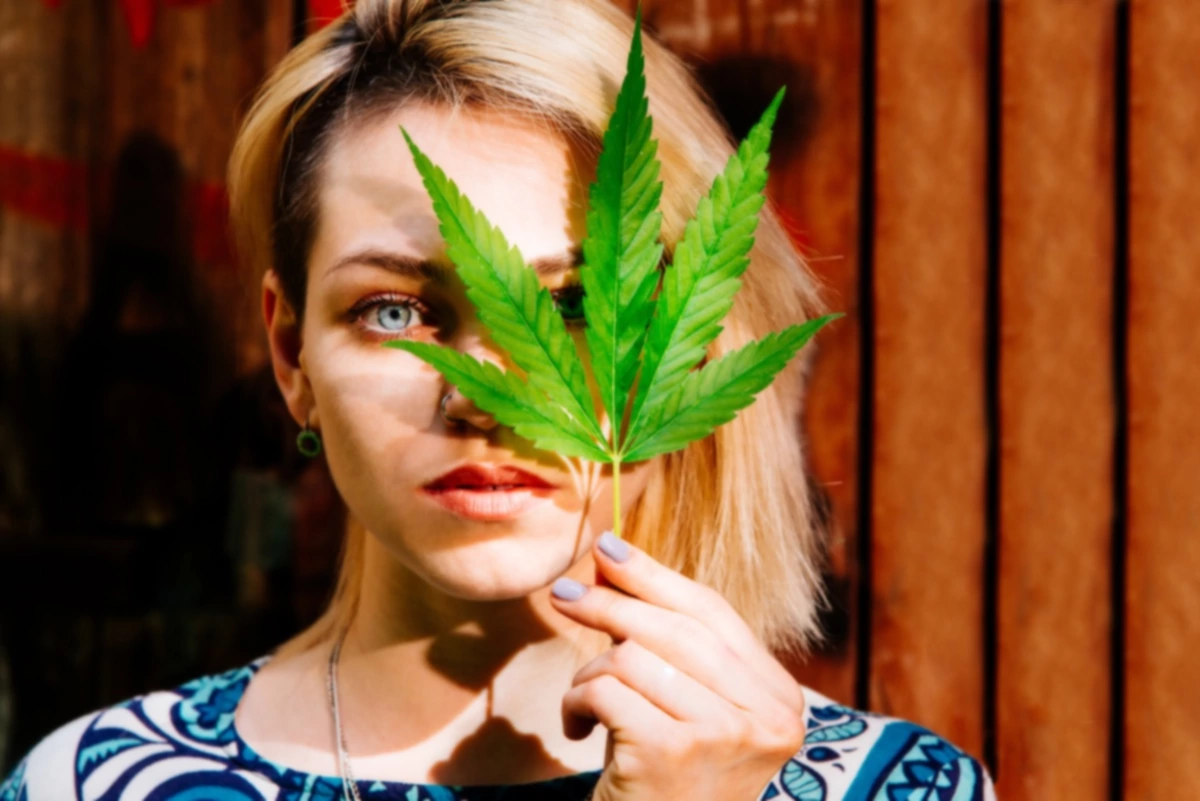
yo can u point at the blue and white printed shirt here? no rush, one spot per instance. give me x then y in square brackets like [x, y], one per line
[182, 745]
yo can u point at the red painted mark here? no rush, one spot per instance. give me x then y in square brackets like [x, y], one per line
[56, 191]
[48, 189]
[323, 12]
[139, 15]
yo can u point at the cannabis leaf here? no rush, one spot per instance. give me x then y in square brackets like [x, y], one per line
[518, 311]
[508, 398]
[622, 248]
[631, 336]
[709, 259]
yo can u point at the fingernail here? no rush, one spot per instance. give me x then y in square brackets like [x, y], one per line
[614, 548]
[568, 589]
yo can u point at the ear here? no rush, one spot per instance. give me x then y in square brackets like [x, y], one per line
[286, 345]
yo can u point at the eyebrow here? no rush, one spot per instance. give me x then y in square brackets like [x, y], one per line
[439, 274]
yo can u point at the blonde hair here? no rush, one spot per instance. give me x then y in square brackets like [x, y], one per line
[733, 510]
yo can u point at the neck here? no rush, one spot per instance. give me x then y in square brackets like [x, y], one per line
[449, 690]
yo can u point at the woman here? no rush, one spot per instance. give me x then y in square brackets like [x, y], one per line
[477, 636]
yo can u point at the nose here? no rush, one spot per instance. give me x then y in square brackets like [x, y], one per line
[459, 411]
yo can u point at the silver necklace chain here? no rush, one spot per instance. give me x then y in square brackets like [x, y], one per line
[348, 785]
[347, 776]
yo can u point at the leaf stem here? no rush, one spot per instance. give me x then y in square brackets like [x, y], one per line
[617, 498]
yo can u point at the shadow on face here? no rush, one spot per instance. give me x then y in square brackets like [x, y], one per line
[378, 271]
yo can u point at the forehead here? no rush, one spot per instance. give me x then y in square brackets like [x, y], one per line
[526, 179]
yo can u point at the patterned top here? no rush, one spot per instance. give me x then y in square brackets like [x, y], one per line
[181, 744]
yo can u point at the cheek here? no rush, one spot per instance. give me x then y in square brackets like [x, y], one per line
[372, 406]
[368, 384]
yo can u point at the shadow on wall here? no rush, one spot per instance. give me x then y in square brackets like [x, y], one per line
[166, 538]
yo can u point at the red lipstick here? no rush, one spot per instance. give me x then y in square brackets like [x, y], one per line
[488, 492]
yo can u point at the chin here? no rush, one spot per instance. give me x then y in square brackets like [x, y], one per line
[512, 570]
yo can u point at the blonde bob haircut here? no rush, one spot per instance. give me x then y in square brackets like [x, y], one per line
[734, 510]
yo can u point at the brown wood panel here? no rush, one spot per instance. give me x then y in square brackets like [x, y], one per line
[930, 439]
[76, 220]
[1056, 401]
[189, 87]
[697, 31]
[1162, 704]
[45, 88]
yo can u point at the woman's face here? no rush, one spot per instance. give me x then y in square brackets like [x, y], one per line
[377, 408]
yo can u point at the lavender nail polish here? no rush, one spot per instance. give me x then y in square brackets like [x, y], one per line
[615, 548]
[568, 589]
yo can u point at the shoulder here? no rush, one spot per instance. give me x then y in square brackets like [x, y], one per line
[137, 746]
[51, 761]
[851, 755]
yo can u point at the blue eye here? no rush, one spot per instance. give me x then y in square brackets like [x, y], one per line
[383, 315]
[393, 316]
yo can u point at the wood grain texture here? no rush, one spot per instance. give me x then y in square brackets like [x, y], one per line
[46, 86]
[186, 89]
[1162, 705]
[1056, 402]
[929, 429]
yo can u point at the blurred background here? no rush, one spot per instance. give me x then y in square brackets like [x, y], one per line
[1003, 197]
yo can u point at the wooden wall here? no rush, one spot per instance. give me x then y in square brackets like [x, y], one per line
[124, 332]
[1001, 195]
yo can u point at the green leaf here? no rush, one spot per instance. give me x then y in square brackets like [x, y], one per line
[507, 398]
[699, 287]
[622, 249]
[518, 311]
[713, 395]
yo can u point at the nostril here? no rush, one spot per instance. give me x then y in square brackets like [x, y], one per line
[458, 410]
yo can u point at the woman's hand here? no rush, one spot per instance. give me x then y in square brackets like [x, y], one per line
[695, 705]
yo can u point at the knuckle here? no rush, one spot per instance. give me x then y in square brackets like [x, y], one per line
[783, 733]
[624, 658]
[590, 691]
[741, 732]
[799, 703]
[600, 688]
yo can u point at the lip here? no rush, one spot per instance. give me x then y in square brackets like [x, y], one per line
[465, 491]
[475, 474]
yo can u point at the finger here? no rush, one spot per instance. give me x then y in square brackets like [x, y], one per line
[661, 683]
[642, 576]
[609, 701]
[680, 640]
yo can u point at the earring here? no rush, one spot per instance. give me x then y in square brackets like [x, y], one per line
[308, 442]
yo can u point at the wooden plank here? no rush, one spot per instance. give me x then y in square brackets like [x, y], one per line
[1056, 401]
[929, 461]
[1162, 705]
[700, 31]
[41, 270]
[183, 88]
